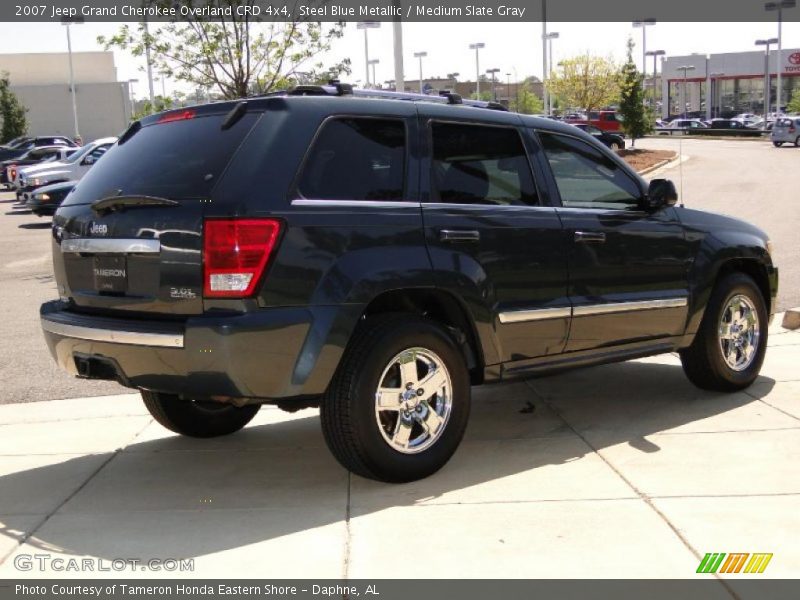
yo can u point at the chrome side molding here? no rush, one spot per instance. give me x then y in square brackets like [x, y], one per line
[114, 336]
[541, 314]
[618, 307]
[110, 246]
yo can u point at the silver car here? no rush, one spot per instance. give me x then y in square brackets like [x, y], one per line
[786, 131]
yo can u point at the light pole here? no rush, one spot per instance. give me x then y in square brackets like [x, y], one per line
[644, 24]
[655, 54]
[366, 26]
[544, 54]
[779, 6]
[477, 47]
[685, 68]
[67, 22]
[716, 96]
[372, 62]
[767, 44]
[130, 96]
[493, 73]
[420, 56]
[508, 88]
[550, 37]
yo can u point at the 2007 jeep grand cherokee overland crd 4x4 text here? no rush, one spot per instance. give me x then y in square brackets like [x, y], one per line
[377, 256]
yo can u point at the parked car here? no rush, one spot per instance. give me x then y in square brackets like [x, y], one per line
[25, 144]
[45, 200]
[786, 131]
[725, 124]
[606, 120]
[306, 258]
[41, 154]
[683, 125]
[612, 140]
[72, 169]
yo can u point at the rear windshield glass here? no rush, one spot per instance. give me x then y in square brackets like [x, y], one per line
[179, 160]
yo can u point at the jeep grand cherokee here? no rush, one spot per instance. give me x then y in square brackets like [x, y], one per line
[377, 256]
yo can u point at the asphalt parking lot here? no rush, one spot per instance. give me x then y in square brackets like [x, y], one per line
[618, 471]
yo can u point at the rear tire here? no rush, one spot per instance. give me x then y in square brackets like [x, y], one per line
[195, 418]
[777, 144]
[728, 350]
[378, 418]
[797, 142]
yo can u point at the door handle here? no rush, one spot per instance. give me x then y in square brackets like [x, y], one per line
[590, 237]
[459, 235]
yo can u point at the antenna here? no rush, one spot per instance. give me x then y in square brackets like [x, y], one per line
[680, 168]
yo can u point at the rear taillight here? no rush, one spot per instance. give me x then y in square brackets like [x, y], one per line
[13, 172]
[181, 115]
[791, 130]
[235, 254]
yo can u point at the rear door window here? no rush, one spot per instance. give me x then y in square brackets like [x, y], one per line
[356, 159]
[179, 159]
[477, 164]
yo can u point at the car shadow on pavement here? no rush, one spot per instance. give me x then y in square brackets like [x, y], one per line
[39, 225]
[18, 212]
[182, 497]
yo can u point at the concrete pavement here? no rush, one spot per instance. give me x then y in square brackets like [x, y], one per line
[618, 471]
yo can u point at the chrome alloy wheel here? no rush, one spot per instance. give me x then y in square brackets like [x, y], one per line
[739, 332]
[413, 400]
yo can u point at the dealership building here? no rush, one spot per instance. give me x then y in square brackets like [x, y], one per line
[41, 82]
[724, 85]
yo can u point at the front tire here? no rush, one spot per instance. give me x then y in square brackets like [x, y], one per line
[398, 406]
[777, 144]
[196, 418]
[728, 350]
[797, 142]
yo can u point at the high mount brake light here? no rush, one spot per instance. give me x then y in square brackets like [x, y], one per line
[183, 115]
[236, 253]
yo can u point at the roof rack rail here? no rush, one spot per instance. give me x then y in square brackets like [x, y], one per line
[452, 97]
[334, 88]
[337, 88]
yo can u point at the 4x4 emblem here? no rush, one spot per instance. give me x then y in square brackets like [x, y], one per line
[98, 229]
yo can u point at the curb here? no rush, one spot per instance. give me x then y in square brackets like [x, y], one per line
[670, 162]
[791, 319]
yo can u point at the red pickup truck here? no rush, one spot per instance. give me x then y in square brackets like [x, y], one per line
[607, 120]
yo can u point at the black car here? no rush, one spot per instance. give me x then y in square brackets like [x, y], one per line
[611, 140]
[45, 200]
[31, 157]
[725, 124]
[22, 145]
[375, 254]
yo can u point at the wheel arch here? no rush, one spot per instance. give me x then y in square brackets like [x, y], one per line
[444, 308]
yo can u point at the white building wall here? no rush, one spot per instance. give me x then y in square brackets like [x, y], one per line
[103, 109]
[41, 82]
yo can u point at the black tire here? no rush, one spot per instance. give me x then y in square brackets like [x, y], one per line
[348, 410]
[197, 419]
[777, 144]
[703, 361]
[797, 142]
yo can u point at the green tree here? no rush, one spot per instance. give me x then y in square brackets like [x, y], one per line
[585, 82]
[12, 112]
[794, 103]
[636, 119]
[160, 104]
[235, 56]
[526, 101]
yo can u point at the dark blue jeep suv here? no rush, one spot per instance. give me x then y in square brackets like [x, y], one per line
[377, 254]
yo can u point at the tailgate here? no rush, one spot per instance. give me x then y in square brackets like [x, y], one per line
[129, 236]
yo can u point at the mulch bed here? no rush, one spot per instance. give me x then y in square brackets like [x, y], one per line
[644, 159]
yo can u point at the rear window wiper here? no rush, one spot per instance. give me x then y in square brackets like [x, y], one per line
[113, 203]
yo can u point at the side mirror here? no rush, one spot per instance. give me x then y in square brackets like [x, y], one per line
[89, 160]
[661, 193]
